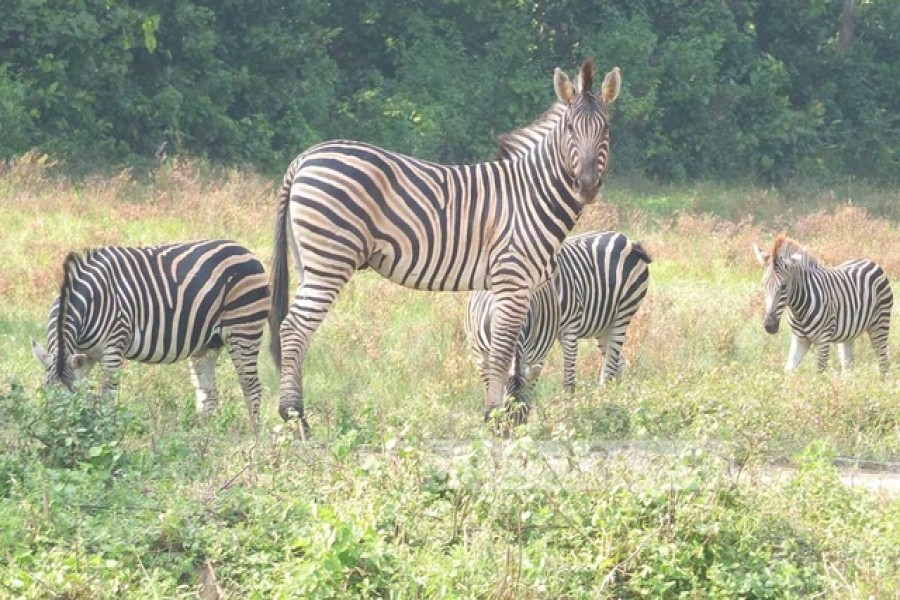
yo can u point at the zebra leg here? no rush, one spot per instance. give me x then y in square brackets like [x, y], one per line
[799, 348]
[845, 355]
[313, 300]
[569, 344]
[612, 349]
[508, 317]
[878, 335]
[203, 376]
[244, 352]
[823, 352]
[111, 362]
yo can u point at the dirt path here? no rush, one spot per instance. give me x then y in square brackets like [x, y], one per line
[587, 465]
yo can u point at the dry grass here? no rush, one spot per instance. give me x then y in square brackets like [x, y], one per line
[49, 215]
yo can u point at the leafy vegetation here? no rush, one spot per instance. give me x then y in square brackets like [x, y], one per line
[761, 90]
[705, 472]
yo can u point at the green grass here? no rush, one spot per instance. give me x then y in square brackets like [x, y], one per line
[403, 492]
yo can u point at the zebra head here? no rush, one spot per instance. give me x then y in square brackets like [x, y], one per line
[585, 131]
[780, 266]
[72, 368]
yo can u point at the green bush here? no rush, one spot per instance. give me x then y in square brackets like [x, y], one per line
[77, 428]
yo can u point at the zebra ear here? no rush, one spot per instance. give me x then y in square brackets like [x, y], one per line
[612, 83]
[79, 363]
[40, 354]
[793, 259]
[565, 91]
[532, 373]
[761, 257]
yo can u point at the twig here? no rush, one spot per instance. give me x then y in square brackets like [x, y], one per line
[612, 573]
[213, 581]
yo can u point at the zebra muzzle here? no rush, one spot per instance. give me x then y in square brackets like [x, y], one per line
[588, 187]
[770, 325]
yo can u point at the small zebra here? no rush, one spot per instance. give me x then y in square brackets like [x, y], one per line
[344, 205]
[828, 305]
[159, 304]
[601, 280]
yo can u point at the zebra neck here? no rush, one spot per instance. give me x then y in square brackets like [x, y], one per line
[554, 181]
[804, 295]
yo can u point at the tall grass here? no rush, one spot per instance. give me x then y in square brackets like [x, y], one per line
[374, 507]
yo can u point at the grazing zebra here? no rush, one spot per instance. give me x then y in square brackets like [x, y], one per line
[159, 304]
[601, 281]
[346, 205]
[828, 305]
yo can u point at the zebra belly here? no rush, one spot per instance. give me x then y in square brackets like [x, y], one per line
[416, 272]
[155, 347]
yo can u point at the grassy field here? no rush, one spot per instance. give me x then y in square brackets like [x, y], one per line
[402, 492]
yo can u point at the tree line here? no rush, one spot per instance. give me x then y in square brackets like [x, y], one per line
[761, 90]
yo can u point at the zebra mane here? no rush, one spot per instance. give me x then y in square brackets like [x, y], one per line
[785, 246]
[516, 144]
[71, 267]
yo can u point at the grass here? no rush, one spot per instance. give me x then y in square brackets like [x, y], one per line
[403, 493]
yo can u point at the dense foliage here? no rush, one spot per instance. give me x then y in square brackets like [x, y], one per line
[760, 89]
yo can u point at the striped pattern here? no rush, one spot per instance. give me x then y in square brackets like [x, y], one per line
[534, 342]
[160, 304]
[520, 142]
[601, 282]
[828, 305]
[347, 205]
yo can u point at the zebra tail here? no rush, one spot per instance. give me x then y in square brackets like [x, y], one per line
[70, 267]
[641, 252]
[279, 279]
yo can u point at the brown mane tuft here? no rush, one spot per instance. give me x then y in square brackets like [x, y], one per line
[776, 247]
[587, 75]
[785, 246]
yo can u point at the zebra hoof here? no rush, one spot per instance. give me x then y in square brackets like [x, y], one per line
[290, 410]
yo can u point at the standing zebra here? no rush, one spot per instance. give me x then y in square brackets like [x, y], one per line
[345, 205]
[601, 281]
[159, 304]
[828, 305]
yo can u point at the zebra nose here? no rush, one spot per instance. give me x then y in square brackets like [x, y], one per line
[771, 326]
[588, 187]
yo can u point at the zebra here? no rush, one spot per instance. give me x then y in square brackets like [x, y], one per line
[601, 280]
[344, 205]
[828, 305]
[582, 317]
[159, 304]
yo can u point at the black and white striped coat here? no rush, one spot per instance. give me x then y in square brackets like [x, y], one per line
[828, 305]
[602, 279]
[159, 304]
[346, 205]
